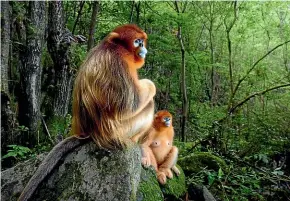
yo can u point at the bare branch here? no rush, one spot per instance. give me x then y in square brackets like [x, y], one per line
[256, 94]
[82, 3]
[255, 64]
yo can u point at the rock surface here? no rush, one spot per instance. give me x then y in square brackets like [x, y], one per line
[85, 174]
[88, 173]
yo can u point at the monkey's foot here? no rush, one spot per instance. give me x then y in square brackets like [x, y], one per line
[167, 172]
[146, 161]
[161, 177]
[176, 170]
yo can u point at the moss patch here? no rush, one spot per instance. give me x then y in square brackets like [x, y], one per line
[175, 187]
[195, 162]
[149, 189]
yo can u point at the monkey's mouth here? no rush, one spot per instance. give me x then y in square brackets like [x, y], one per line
[167, 123]
[142, 52]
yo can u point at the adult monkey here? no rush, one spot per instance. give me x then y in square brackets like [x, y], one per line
[110, 103]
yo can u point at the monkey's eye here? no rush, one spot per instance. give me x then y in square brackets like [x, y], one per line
[166, 119]
[138, 42]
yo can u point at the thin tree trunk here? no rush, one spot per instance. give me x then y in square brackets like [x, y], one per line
[131, 13]
[183, 87]
[96, 5]
[230, 59]
[30, 71]
[183, 82]
[58, 43]
[138, 6]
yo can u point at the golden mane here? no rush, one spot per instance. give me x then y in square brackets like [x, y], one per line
[103, 92]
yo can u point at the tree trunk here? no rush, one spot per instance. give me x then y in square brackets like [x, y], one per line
[183, 87]
[30, 71]
[58, 43]
[183, 82]
[8, 120]
[96, 5]
[5, 43]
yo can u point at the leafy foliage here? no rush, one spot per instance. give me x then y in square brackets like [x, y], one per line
[18, 152]
[223, 68]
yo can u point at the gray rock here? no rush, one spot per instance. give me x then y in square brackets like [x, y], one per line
[85, 174]
[14, 179]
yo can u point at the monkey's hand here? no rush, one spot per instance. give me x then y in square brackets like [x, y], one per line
[161, 177]
[146, 162]
[167, 172]
[175, 170]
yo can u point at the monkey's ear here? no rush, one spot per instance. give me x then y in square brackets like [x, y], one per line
[112, 36]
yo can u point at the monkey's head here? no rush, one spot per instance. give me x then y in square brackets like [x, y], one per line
[129, 42]
[162, 119]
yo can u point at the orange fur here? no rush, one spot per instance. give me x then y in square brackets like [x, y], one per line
[158, 149]
[110, 103]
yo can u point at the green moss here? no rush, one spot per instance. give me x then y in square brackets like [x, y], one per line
[149, 189]
[175, 187]
[195, 162]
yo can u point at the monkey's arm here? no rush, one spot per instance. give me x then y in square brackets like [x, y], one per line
[146, 139]
[146, 91]
[48, 165]
[148, 157]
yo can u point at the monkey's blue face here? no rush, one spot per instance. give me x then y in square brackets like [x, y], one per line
[167, 121]
[139, 43]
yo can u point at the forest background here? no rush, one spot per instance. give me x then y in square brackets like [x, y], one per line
[221, 68]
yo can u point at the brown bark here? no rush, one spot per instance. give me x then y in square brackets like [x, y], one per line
[30, 70]
[96, 5]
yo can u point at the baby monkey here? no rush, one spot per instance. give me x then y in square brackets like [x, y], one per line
[157, 147]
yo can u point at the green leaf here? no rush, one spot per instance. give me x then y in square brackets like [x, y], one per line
[211, 178]
[220, 173]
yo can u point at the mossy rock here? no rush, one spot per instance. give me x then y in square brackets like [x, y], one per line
[175, 187]
[196, 162]
[150, 190]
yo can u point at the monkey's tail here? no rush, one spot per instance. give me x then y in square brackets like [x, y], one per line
[48, 164]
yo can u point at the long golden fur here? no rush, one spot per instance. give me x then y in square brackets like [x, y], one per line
[108, 96]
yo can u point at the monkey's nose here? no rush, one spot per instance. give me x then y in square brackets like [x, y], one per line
[143, 52]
